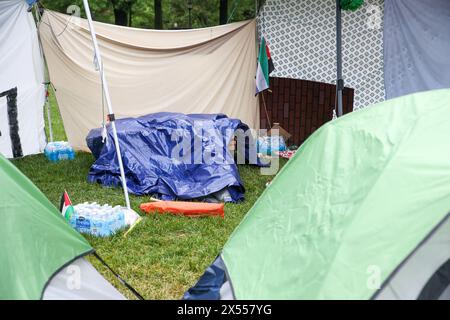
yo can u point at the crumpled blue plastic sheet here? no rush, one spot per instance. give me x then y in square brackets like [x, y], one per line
[157, 161]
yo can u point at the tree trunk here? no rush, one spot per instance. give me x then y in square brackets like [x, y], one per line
[158, 14]
[223, 12]
[130, 15]
[120, 17]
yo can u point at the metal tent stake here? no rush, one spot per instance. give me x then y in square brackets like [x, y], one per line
[98, 61]
[340, 81]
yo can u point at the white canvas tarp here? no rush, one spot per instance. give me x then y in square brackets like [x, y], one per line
[22, 91]
[416, 46]
[208, 70]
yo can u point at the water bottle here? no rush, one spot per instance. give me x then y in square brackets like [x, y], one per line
[63, 152]
[120, 220]
[106, 230]
[56, 151]
[98, 220]
[96, 224]
[59, 150]
[71, 152]
[50, 152]
[73, 218]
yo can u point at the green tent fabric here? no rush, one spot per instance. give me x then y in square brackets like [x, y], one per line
[363, 191]
[35, 240]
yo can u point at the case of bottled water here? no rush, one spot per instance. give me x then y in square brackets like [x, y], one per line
[97, 220]
[59, 150]
[268, 145]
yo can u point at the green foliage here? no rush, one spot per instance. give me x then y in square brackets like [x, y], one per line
[102, 10]
[205, 13]
[245, 9]
[351, 5]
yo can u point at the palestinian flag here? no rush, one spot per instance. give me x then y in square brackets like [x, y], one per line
[66, 207]
[265, 67]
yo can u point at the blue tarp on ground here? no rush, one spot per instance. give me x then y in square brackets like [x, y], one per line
[154, 162]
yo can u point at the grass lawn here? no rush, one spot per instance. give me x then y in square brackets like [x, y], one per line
[164, 255]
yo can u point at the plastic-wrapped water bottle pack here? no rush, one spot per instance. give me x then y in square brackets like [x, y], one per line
[98, 220]
[268, 145]
[59, 150]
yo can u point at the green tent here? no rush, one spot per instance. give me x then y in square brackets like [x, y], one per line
[39, 251]
[360, 212]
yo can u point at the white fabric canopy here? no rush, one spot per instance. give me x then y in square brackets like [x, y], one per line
[208, 70]
[21, 66]
[416, 46]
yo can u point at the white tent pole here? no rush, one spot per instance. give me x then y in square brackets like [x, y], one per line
[49, 115]
[98, 61]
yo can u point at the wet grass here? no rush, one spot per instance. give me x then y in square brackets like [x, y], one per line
[164, 255]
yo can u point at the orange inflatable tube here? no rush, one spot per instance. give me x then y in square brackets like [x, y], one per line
[189, 209]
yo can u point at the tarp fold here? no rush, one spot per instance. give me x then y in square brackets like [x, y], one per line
[171, 155]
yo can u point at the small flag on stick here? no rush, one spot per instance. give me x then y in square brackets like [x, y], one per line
[265, 67]
[66, 206]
